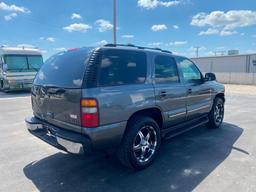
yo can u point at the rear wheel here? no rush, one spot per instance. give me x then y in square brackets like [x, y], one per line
[140, 144]
[217, 113]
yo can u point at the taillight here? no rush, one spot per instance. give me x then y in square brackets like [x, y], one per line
[89, 113]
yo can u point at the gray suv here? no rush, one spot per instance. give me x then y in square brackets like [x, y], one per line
[121, 97]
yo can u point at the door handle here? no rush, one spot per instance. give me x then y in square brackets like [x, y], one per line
[189, 91]
[163, 94]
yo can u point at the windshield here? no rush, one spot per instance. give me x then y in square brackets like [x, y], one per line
[23, 63]
[65, 69]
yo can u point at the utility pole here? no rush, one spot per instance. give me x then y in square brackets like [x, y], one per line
[197, 51]
[114, 29]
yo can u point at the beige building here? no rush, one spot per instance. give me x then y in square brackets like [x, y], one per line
[226, 64]
[231, 69]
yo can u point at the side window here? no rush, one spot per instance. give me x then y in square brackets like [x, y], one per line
[166, 70]
[189, 70]
[122, 67]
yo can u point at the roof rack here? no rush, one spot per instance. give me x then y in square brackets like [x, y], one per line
[139, 47]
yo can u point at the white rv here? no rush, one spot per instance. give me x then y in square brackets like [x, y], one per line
[18, 67]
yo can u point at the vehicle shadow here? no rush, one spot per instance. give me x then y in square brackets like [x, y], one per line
[14, 94]
[183, 163]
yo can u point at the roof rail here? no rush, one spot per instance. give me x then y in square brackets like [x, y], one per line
[139, 47]
[122, 45]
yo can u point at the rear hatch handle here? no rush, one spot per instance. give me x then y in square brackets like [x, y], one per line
[56, 91]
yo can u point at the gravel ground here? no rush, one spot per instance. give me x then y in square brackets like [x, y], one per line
[199, 160]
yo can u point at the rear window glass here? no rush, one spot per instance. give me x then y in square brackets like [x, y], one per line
[122, 67]
[65, 69]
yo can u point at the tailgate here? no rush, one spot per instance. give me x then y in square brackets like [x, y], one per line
[56, 90]
[58, 106]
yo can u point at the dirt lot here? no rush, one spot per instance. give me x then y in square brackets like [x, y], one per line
[199, 160]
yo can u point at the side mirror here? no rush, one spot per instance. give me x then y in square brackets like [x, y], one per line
[210, 77]
[5, 67]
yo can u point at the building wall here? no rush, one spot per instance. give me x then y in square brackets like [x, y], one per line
[239, 69]
[222, 64]
[252, 67]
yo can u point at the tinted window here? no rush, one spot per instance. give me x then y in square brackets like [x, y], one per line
[119, 67]
[65, 69]
[23, 63]
[16, 63]
[166, 70]
[189, 70]
[35, 62]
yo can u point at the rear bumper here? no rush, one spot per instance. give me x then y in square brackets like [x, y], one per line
[62, 139]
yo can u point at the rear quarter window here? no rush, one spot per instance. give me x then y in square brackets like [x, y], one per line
[122, 67]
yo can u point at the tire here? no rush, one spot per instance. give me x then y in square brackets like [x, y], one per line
[142, 134]
[1, 85]
[6, 90]
[216, 114]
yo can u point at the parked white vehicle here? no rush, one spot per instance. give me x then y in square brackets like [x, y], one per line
[18, 67]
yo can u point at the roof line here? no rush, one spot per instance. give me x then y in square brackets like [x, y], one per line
[139, 47]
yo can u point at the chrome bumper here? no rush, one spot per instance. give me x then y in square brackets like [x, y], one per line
[71, 147]
[62, 139]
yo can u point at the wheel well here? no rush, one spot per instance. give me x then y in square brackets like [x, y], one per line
[154, 113]
[220, 95]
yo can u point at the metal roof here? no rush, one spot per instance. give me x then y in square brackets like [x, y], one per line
[19, 51]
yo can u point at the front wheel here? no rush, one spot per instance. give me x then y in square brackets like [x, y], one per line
[216, 115]
[6, 88]
[1, 85]
[140, 144]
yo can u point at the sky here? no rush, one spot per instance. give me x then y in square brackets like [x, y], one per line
[175, 25]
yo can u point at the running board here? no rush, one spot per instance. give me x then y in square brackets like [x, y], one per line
[184, 127]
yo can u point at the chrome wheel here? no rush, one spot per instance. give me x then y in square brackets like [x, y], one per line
[145, 143]
[219, 113]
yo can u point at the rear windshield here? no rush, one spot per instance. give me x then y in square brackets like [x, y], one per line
[65, 69]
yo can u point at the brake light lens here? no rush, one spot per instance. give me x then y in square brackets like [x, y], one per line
[89, 113]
